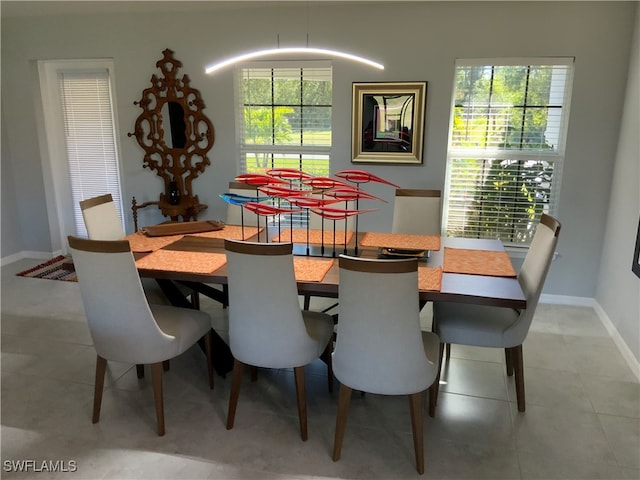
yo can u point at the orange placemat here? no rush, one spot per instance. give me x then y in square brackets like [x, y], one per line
[311, 269]
[139, 242]
[232, 232]
[179, 261]
[430, 278]
[401, 241]
[477, 262]
[315, 236]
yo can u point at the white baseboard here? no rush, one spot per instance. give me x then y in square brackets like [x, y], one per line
[28, 254]
[568, 300]
[626, 352]
[624, 349]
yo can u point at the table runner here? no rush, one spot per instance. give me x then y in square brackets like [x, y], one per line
[430, 278]
[315, 236]
[180, 261]
[401, 241]
[311, 269]
[478, 262]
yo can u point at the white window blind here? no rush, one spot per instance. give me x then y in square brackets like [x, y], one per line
[506, 148]
[90, 138]
[283, 117]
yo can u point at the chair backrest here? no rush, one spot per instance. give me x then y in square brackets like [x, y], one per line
[417, 211]
[101, 218]
[235, 213]
[533, 274]
[266, 327]
[120, 321]
[379, 346]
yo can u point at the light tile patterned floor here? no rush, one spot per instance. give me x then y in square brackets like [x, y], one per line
[582, 419]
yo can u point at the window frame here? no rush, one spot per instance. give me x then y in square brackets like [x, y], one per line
[555, 156]
[299, 150]
[58, 189]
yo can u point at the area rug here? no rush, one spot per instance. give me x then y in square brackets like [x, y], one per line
[53, 269]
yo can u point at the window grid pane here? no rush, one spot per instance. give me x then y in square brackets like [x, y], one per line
[506, 150]
[286, 120]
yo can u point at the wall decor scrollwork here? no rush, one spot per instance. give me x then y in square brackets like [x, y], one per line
[176, 137]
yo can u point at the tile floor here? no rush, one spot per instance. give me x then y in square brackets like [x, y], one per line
[582, 419]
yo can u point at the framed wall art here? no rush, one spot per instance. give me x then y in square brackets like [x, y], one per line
[388, 122]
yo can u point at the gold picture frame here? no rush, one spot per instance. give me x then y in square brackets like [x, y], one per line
[388, 122]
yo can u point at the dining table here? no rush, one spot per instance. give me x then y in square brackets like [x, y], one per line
[465, 270]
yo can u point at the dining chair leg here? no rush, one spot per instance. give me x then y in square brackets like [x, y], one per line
[415, 406]
[166, 365]
[207, 351]
[101, 367]
[327, 358]
[302, 401]
[433, 398]
[508, 357]
[236, 380]
[156, 376]
[436, 382]
[254, 374]
[140, 371]
[344, 399]
[518, 366]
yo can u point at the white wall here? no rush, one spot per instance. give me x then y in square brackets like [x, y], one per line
[618, 291]
[415, 41]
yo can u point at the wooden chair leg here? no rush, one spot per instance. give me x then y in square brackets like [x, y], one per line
[508, 357]
[307, 302]
[435, 388]
[140, 371]
[207, 351]
[236, 380]
[328, 359]
[195, 300]
[166, 365]
[302, 401]
[344, 399]
[254, 374]
[415, 406]
[518, 367]
[101, 367]
[156, 376]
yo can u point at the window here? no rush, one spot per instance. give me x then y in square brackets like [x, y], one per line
[506, 147]
[90, 139]
[81, 136]
[284, 118]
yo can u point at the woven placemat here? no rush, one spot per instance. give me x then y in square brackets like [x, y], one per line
[179, 261]
[311, 269]
[401, 241]
[430, 278]
[140, 243]
[478, 262]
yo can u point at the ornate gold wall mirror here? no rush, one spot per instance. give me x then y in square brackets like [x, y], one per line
[176, 137]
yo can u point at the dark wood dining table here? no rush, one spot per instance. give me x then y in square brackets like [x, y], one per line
[479, 289]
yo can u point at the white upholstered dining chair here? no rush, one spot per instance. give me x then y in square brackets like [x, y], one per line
[124, 327]
[380, 347]
[103, 223]
[507, 328]
[416, 211]
[267, 328]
